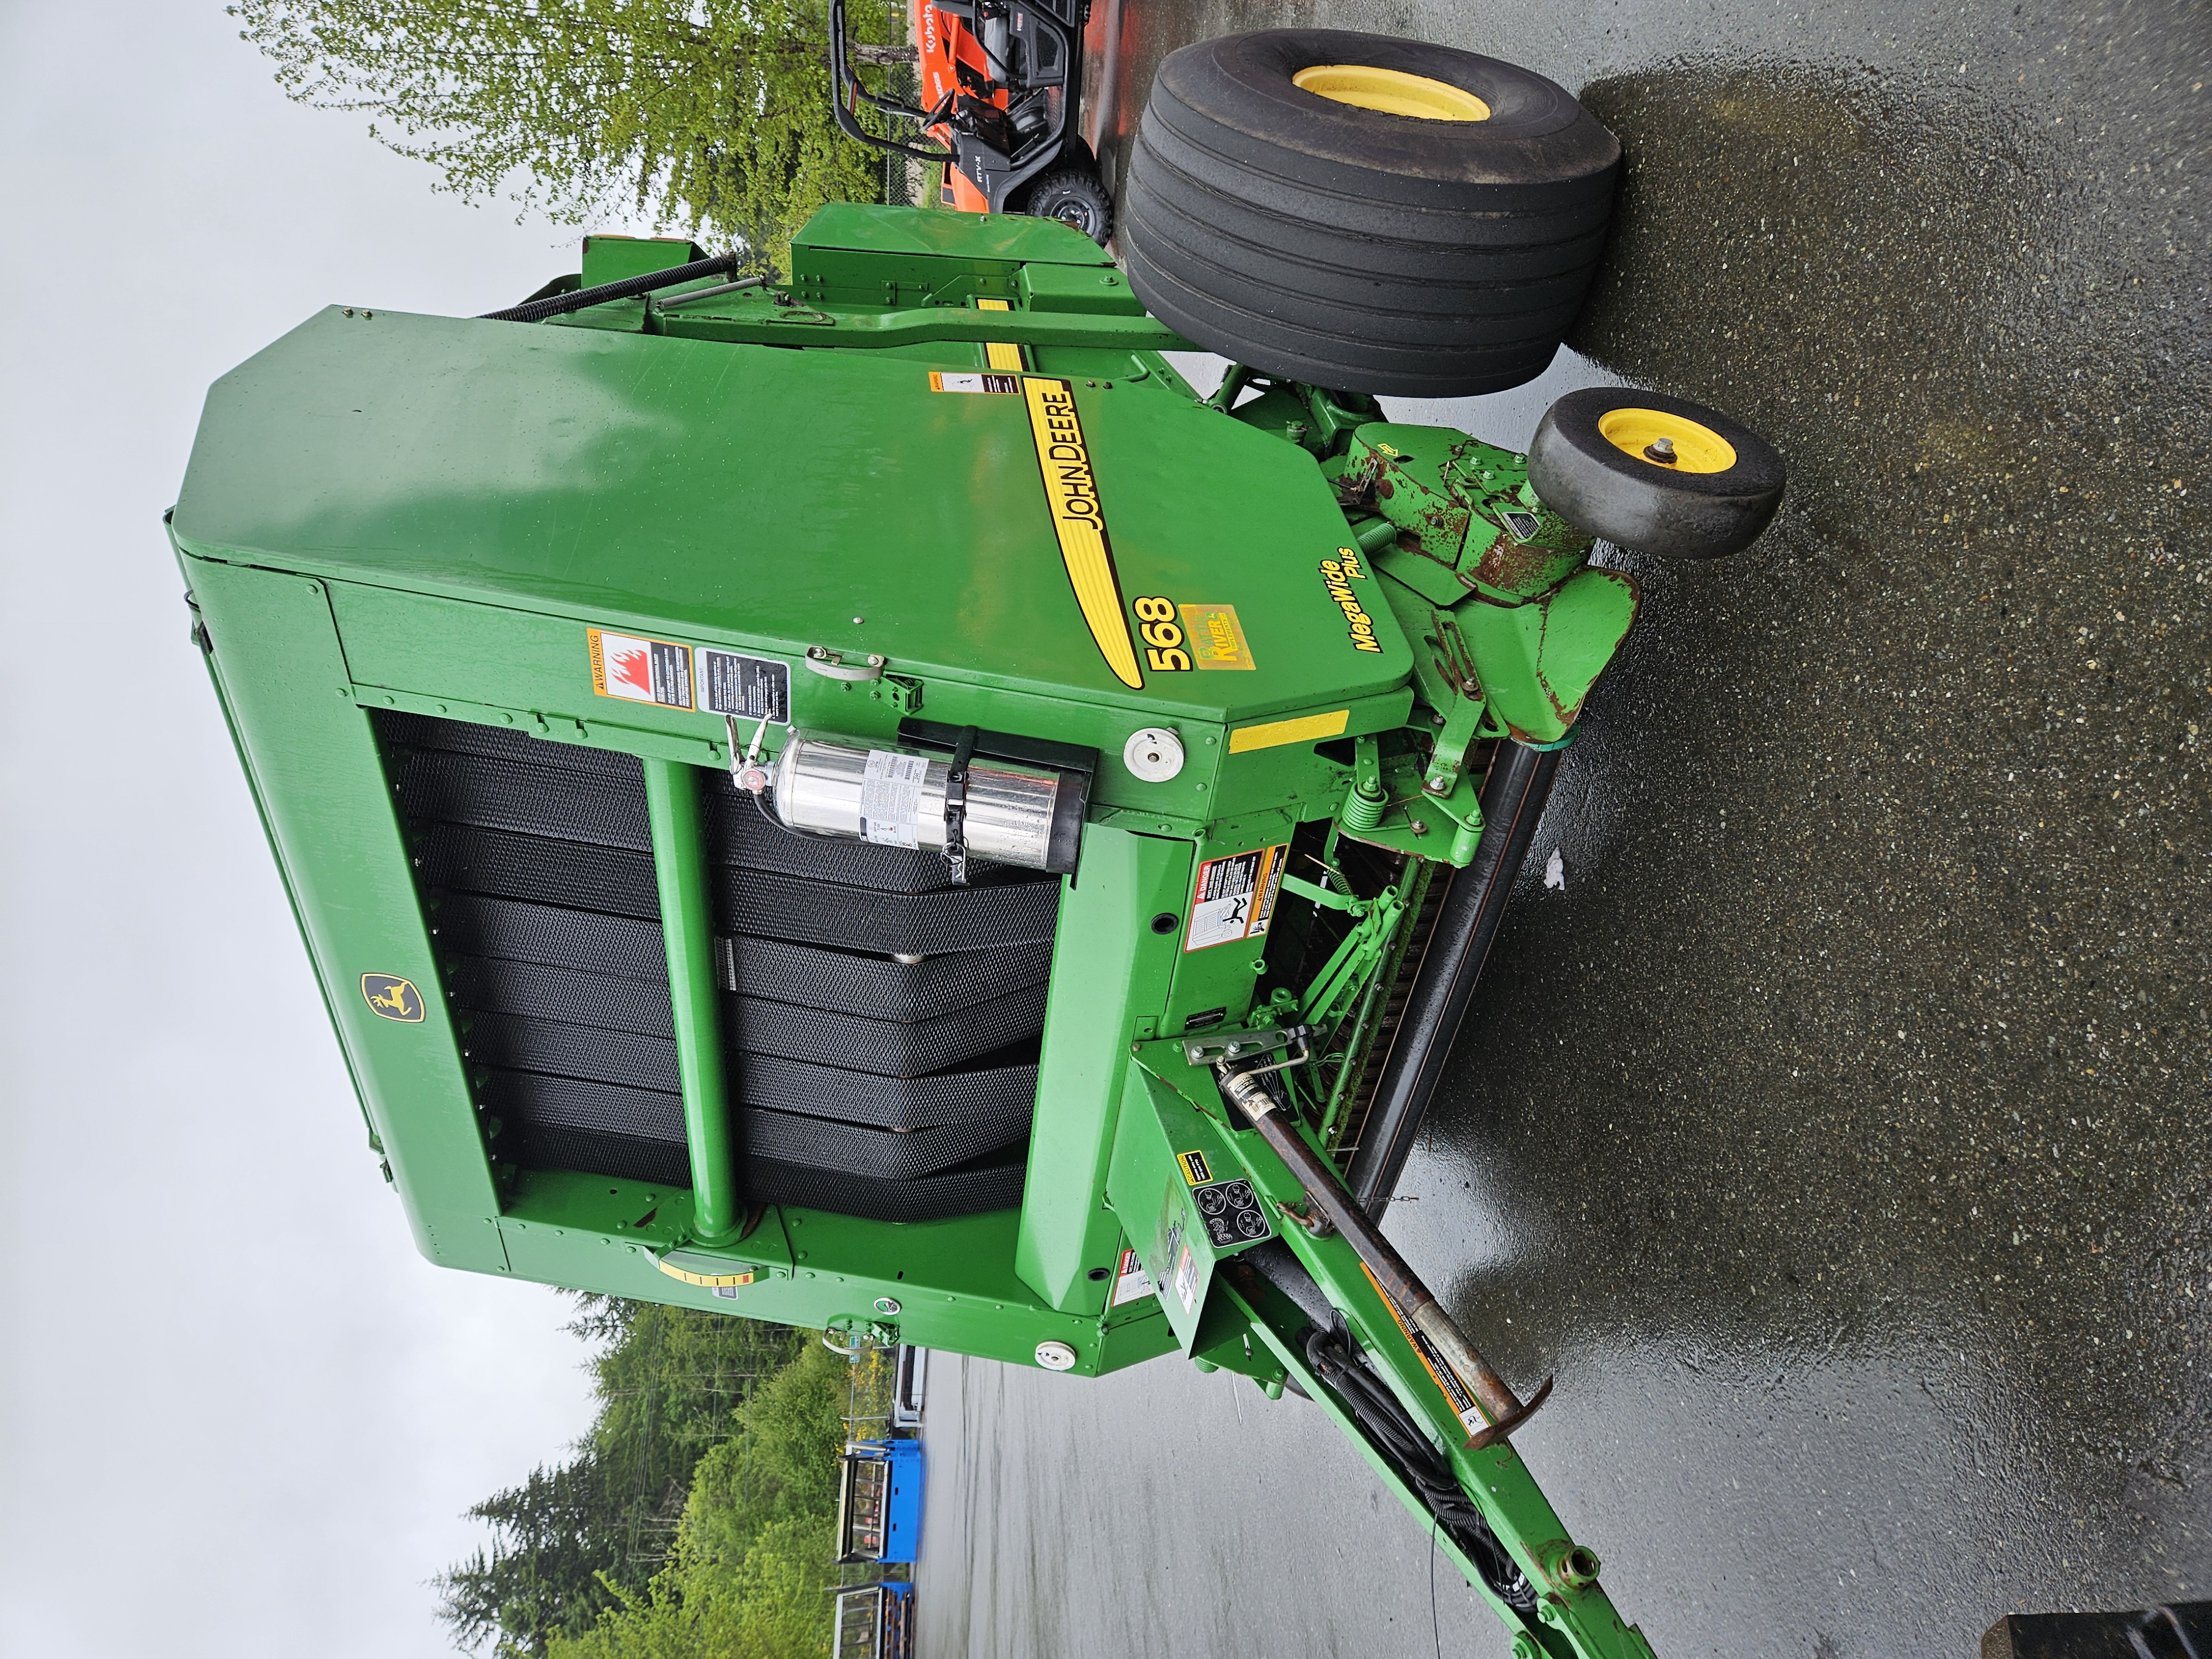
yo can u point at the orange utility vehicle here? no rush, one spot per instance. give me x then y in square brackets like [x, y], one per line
[998, 90]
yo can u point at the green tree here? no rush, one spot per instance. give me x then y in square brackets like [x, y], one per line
[755, 1545]
[572, 1541]
[709, 116]
[781, 1464]
[771, 1603]
[553, 1537]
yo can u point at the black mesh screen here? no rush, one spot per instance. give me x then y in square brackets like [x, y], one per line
[898, 1090]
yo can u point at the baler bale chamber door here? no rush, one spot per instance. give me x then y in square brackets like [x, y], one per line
[880, 1024]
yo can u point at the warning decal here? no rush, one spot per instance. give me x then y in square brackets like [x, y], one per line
[1234, 897]
[1195, 1171]
[1186, 1278]
[1169, 1242]
[953, 380]
[1131, 1282]
[1456, 1394]
[751, 688]
[640, 670]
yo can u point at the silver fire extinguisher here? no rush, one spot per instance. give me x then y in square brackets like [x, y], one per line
[959, 806]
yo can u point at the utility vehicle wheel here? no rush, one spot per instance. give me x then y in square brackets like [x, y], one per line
[1655, 473]
[1366, 214]
[1074, 197]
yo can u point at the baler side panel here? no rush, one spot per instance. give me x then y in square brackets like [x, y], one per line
[330, 813]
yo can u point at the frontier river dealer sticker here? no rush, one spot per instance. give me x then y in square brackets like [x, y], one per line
[1234, 897]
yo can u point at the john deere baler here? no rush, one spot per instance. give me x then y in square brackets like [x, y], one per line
[866, 802]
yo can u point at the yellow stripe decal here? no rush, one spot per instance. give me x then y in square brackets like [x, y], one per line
[997, 354]
[1305, 729]
[1072, 497]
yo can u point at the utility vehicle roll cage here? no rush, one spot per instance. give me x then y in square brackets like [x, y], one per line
[998, 151]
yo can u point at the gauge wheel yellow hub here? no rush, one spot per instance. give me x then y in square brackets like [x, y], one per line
[1392, 91]
[1670, 441]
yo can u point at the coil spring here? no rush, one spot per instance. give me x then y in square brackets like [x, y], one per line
[1362, 811]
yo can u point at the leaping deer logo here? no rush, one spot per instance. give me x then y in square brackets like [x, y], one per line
[392, 997]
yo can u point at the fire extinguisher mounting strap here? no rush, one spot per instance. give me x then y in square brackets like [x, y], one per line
[956, 805]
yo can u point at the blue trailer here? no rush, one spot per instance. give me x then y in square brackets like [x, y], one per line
[875, 1621]
[879, 1501]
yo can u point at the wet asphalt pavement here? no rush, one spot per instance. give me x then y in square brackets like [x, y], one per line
[1839, 1135]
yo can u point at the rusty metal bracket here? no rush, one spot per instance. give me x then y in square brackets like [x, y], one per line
[1512, 1420]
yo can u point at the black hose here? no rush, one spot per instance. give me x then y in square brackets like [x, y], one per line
[1390, 1429]
[1513, 798]
[560, 305]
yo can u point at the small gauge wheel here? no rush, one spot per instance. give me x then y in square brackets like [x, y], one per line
[1655, 473]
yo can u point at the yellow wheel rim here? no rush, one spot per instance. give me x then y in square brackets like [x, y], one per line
[1652, 437]
[1391, 91]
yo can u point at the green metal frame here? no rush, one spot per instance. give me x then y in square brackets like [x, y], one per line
[393, 512]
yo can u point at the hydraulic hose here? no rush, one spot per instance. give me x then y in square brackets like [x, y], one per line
[1513, 798]
[1391, 1430]
[560, 305]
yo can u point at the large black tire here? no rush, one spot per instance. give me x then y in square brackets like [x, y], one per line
[1359, 250]
[1597, 461]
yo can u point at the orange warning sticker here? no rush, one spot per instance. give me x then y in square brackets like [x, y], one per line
[640, 669]
[948, 379]
[1234, 897]
[1456, 1394]
[1131, 1282]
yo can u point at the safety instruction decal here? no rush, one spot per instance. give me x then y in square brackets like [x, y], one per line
[1234, 897]
[957, 381]
[1131, 1282]
[750, 687]
[891, 798]
[1170, 1251]
[1216, 637]
[640, 670]
[1456, 1394]
[1195, 1171]
[1186, 1275]
[1232, 1215]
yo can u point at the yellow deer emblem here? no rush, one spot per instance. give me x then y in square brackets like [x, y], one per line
[392, 997]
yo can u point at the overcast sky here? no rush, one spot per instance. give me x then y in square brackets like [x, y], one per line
[239, 1416]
